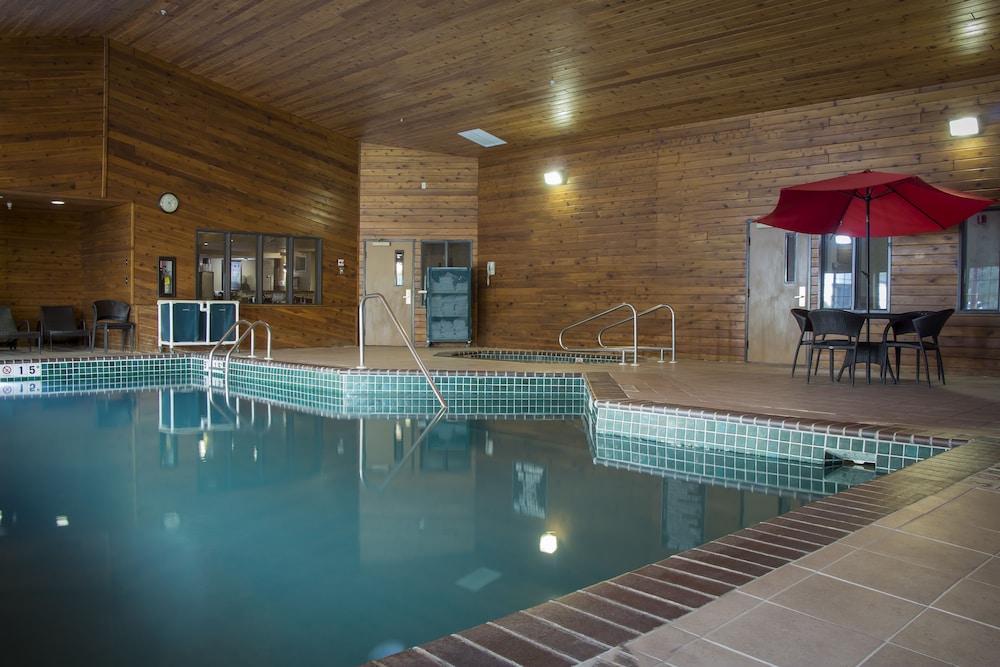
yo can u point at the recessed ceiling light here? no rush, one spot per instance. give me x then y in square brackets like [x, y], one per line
[58, 202]
[482, 137]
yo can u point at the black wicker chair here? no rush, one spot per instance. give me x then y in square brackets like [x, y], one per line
[835, 330]
[110, 315]
[919, 332]
[801, 316]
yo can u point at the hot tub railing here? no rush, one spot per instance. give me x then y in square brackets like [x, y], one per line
[651, 348]
[624, 350]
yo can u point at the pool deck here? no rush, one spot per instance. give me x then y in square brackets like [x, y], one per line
[902, 570]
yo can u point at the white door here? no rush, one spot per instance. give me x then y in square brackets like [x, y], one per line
[388, 271]
[777, 281]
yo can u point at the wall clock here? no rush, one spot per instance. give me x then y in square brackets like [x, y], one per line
[168, 202]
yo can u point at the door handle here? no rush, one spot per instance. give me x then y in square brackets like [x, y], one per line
[407, 296]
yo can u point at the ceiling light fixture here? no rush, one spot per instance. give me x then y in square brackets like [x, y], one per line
[481, 137]
[555, 177]
[964, 127]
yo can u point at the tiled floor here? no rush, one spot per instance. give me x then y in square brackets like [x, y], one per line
[900, 571]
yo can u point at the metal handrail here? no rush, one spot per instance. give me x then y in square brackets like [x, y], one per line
[399, 464]
[250, 326]
[650, 347]
[402, 334]
[635, 333]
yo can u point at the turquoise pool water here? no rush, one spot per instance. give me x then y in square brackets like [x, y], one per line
[173, 526]
[147, 520]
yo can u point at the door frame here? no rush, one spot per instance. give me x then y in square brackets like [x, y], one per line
[407, 322]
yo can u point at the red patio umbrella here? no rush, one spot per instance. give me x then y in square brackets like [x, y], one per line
[871, 204]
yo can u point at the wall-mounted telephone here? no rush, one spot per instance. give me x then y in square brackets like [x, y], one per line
[491, 270]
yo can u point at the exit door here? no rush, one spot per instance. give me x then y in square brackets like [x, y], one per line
[777, 281]
[388, 270]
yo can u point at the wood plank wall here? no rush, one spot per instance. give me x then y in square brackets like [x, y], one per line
[107, 260]
[52, 107]
[661, 217]
[235, 164]
[41, 262]
[395, 206]
[646, 217]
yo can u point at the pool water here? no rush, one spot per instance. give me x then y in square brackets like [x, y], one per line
[175, 527]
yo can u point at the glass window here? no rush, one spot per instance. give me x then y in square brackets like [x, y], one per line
[844, 273]
[258, 268]
[791, 255]
[305, 286]
[443, 253]
[981, 262]
[243, 268]
[211, 283]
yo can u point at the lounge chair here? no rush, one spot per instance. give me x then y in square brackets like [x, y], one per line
[10, 332]
[59, 322]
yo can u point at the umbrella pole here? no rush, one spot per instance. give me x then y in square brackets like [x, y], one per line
[868, 283]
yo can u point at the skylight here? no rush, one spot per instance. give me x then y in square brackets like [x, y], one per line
[482, 137]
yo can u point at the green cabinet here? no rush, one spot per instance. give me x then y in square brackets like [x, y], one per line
[449, 304]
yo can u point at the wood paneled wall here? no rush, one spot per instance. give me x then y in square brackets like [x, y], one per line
[236, 165]
[52, 108]
[107, 259]
[41, 262]
[395, 206]
[661, 217]
[651, 217]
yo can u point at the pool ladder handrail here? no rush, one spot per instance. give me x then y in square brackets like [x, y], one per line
[624, 350]
[402, 333]
[652, 348]
[249, 331]
[399, 464]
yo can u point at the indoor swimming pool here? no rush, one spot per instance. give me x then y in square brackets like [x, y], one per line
[175, 526]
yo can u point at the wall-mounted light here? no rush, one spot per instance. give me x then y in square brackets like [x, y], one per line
[548, 543]
[964, 127]
[555, 177]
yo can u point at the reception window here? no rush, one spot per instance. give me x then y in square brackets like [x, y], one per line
[258, 268]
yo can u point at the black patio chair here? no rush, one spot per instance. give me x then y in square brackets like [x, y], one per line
[59, 322]
[111, 315]
[801, 316]
[11, 332]
[917, 332]
[835, 330]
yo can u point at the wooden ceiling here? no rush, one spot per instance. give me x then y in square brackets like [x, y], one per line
[414, 73]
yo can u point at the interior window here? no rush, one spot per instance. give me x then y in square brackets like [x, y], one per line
[844, 273]
[258, 268]
[305, 286]
[981, 262]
